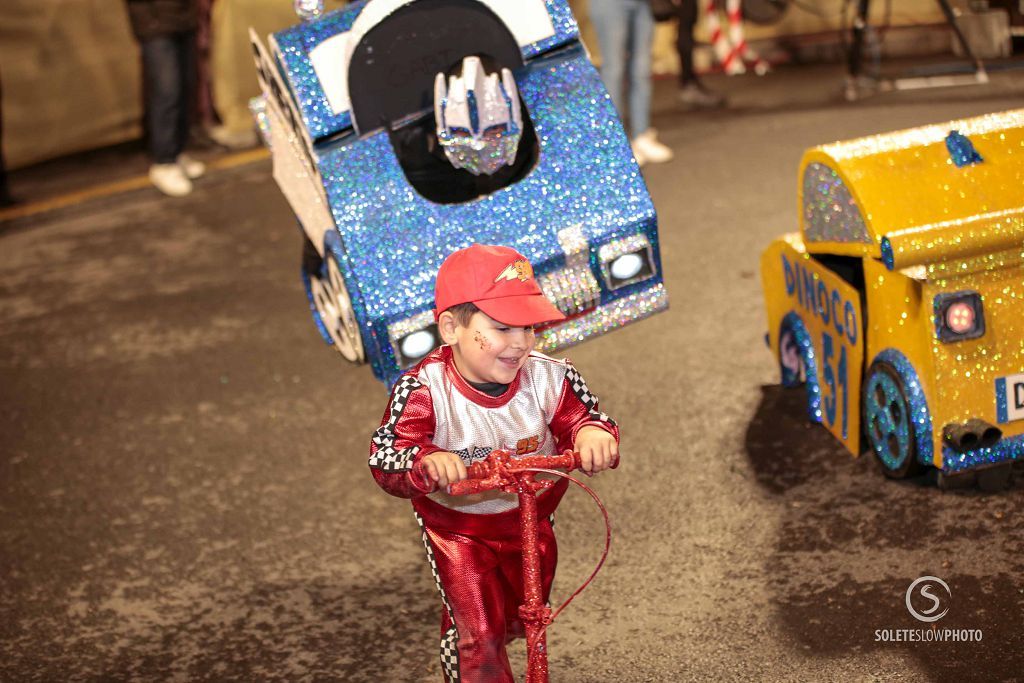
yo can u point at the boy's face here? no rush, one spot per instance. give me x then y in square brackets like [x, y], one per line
[486, 350]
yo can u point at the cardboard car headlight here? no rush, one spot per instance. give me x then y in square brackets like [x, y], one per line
[403, 130]
[900, 303]
[627, 261]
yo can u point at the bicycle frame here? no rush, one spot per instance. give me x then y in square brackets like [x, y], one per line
[500, 471]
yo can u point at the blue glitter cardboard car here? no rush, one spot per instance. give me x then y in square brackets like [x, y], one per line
[348, 103]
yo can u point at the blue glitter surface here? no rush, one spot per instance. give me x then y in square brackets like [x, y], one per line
[888, 258]
[793, 322]
[566, 29]
[1002, 406]
[297, 42]
[395, 239]
[1007, 450]
[961, 149]
[921, 417]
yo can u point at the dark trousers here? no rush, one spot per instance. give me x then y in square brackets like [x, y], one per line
[169, 68]
[686, 11]
[5, 194]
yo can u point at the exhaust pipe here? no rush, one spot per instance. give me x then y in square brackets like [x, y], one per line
[970, 435]
[988, 435]
[960, 437]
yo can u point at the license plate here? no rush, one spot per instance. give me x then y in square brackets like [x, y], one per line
[1010, 398]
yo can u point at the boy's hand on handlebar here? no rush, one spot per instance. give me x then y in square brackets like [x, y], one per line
[444, 468]
[597, 448]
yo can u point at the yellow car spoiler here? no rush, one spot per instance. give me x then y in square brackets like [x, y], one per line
[954, 240]
[918, 196]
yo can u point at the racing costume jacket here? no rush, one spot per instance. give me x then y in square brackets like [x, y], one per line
[472, 542]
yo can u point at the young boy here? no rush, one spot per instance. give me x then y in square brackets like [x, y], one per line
[485, 389]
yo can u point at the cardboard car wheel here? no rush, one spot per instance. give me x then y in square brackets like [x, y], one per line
[887, 421]
[333, 307]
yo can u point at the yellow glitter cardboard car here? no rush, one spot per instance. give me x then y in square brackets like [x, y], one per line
[900, 303]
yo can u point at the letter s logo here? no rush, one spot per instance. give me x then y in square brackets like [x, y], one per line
[927, 615]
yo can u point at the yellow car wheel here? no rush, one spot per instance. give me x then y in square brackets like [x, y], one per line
[791, 362]
[887, 421]
[796, 362]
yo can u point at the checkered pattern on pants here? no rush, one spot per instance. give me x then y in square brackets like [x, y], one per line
[481, 585]
[450, 638]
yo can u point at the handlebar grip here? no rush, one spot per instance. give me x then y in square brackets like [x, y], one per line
[468, 487]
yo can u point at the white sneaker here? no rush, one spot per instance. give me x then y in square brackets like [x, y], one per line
[192, 167]
[170, 179]
[646, 148]
[234, 139]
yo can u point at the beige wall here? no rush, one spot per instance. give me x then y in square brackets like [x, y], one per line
[232, 69]
[70, 71]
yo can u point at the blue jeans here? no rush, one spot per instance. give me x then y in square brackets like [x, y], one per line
[169, 69]
[625, 29]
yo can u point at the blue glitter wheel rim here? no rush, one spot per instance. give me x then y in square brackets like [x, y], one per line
[791, 376]
[887, 420]
[792, 324]
[307, 282]
[913, 391]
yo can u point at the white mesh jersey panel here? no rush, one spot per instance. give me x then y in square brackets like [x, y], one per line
[472, 430]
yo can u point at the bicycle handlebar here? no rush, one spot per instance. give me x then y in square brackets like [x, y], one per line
[498, 470]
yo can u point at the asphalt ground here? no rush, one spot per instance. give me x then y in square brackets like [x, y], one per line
[183, 483]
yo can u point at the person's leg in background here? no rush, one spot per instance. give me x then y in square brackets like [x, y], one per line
[646, 147]
[610, 24]
[165, 93]
[691, 91]
[186, 48]
[5, 194]
[686, 15]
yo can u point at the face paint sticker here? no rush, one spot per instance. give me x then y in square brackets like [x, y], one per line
[479, 339]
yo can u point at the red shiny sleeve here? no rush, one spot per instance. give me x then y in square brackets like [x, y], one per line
[403, 440]
[577, 407]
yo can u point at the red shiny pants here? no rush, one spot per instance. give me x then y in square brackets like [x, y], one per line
[481, 583]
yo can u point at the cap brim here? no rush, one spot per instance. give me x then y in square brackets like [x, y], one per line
[521, 311]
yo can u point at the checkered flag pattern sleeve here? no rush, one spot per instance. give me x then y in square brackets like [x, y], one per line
[589, 400]
[385, 456]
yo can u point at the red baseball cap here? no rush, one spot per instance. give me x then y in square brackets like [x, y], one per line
[499, 280]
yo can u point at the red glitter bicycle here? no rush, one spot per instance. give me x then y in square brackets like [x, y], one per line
[500, 471]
